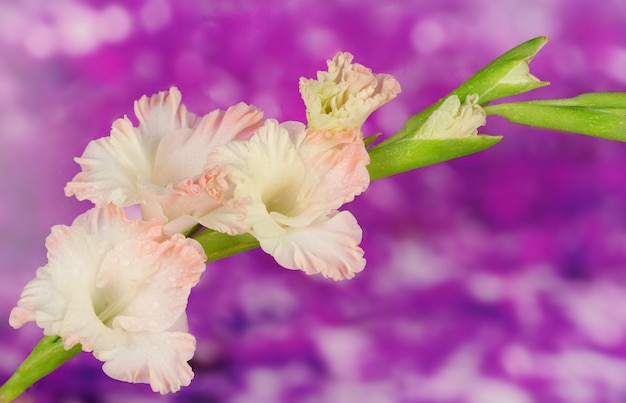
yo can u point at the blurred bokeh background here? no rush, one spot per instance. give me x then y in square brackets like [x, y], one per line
[496, 278]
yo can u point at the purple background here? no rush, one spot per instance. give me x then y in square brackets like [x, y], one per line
[495, 278]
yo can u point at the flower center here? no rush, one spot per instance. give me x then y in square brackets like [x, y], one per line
[120, 284]
[111, 310]
[282, 199]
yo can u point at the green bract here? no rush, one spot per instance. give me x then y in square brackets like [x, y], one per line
[507, 75]
[406, 155]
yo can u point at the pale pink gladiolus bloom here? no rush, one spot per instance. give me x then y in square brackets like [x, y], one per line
[344, 96]
[294, 190]
[118, 287]
[160, 163]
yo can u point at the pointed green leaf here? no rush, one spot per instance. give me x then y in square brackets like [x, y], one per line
[406, 155]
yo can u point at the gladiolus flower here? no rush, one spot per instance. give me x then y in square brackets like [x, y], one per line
[160, 164]
[118, 287]
[294, 190]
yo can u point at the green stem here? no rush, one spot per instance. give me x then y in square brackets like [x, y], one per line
[47, 356]
[218, 245]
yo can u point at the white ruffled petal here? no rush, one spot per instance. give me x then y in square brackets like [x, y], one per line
[40, 303]
[229, 218]
[161, 114]
[159, 359]
[342, 174]
[113, 168]
[208, 201]
[328, 246]
[183, 155]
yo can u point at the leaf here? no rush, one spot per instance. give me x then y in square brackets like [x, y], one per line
[406, 155]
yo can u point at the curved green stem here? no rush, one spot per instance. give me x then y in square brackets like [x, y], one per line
[47, 356]
[218, 245]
